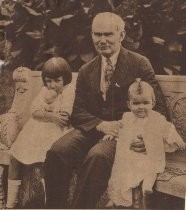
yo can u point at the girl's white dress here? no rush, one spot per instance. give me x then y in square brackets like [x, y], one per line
[130, 168]
[36, 137]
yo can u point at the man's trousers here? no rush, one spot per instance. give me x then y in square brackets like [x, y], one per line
[91, 157]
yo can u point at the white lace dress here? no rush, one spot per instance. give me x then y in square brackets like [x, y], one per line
[36, 137]
[130, 168]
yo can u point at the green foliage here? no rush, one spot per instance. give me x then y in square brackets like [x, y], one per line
[38, 29]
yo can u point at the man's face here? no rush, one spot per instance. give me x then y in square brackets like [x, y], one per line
[107, 37]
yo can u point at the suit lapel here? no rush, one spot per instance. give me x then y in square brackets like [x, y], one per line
[120, 74]
[95, 75]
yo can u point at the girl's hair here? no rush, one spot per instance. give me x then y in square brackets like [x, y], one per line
[56, 67]
[140, 87]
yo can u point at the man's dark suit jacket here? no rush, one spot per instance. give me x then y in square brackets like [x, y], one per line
[89, 107]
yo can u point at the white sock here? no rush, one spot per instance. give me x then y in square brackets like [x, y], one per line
[13, 192]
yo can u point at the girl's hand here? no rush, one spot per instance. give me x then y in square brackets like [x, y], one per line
[3, 147]
[65, 116]
[59, 119]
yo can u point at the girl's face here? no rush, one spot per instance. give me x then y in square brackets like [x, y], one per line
[55, 84]
[141, 105]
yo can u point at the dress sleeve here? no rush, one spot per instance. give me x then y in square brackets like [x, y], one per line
[38, 103]
[125, 120]
[126, 117]
[171, 137]
[68, 95]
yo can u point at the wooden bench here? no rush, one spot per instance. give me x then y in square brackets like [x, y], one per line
[27, 85]
[174, 89]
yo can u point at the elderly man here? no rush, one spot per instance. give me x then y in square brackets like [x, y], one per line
[101, 95]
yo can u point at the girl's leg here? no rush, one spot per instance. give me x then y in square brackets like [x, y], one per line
[137, 197]
[148, 184]
[14, 182]
[2, 196]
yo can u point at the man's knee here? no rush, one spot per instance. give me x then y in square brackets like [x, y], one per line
[64, 144]
[68, 149]
[56, 154]
[61, 145]
[103, 153]
[96, 154]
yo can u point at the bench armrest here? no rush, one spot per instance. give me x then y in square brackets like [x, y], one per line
[12, 122]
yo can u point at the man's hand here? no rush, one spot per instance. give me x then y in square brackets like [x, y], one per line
[138, 145]
[108, 138]
[109, 127]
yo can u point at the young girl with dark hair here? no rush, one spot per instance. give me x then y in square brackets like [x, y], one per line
[50, 111]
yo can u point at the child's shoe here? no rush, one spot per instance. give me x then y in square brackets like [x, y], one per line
[110, 205]
[124, 207]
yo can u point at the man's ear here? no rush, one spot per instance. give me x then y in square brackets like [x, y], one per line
[122, 35]
[153, 104]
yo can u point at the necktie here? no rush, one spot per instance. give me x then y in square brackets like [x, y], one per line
[109, 70]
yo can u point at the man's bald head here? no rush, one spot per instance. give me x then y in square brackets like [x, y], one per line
[109, 17]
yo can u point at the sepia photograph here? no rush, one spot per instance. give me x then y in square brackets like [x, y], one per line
[93, 104]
